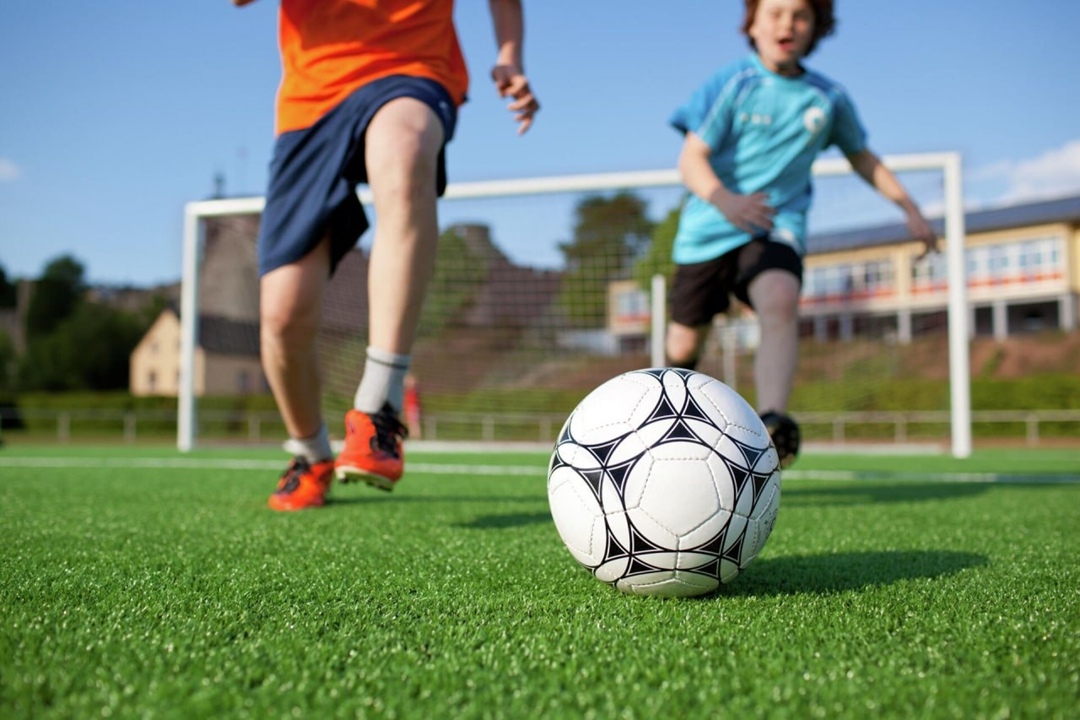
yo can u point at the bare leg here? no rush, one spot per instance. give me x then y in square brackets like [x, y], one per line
[290, 307]
[402, 148]
[683, 344]
[775, 296]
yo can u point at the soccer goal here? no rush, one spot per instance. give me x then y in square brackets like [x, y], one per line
[546, 287]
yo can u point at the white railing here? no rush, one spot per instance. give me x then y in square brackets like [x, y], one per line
[127, 426]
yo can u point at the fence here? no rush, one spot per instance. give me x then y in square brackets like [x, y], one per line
[1032, 426]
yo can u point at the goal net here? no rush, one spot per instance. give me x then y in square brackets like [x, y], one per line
[546, 287]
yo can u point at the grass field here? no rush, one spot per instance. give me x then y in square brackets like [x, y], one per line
[143, 583]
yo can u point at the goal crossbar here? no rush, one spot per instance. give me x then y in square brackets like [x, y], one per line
[948, 163]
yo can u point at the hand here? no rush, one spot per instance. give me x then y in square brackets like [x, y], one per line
[242, 3]
[750, 213]
[511, 82]
[920, 230]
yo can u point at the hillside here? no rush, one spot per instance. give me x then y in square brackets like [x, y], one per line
[859, 370]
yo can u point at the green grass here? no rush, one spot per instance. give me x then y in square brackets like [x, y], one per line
[134, 590]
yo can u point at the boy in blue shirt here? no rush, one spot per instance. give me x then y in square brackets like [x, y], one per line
[752, 133]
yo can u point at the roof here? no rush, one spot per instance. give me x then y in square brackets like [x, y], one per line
[223, 336]
[1002, 218]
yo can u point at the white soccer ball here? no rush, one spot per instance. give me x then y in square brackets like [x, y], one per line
[664, 482]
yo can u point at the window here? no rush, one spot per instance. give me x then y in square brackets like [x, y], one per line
[878, 276]
[1040, 258]
[930, 271]
[976, 258]
[997, 264]
[849, 280]
[634, 303]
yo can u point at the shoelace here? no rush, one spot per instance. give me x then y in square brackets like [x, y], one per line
[388, 430]
[291, 479]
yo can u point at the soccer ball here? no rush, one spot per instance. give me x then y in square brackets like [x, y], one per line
[664, 482]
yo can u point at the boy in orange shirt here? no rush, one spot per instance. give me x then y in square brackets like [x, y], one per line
[369, 93]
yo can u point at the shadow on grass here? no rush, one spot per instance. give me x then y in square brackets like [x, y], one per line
[865, 493]
[483, 522]
[496, 522]
[379, 496]
[838, 572]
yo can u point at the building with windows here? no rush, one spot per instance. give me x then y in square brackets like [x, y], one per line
[226, 358]
[1022, 265]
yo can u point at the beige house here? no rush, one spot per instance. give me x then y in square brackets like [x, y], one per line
[227, 350]
[226, 358]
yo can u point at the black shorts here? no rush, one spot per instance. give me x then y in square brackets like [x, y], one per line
[315, 171]
[702, 290]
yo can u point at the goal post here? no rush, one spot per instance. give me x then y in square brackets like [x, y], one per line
[573, 187]
[950, 167]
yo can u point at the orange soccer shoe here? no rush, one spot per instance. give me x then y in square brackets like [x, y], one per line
[303, 485]
[373, 448]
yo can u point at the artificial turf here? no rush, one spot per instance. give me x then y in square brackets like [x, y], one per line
[133, 588]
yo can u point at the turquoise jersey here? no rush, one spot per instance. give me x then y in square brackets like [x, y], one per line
[765, 131]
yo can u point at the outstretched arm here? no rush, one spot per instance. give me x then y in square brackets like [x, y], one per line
[508, 73]
[750, 213]
[872, 170]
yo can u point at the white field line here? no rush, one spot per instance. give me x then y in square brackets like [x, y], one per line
[945, 477]
[260, 465]
[517, 470]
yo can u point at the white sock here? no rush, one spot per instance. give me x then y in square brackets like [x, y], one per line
[383, 381]
[314, 449]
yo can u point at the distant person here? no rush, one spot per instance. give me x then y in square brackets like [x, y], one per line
[412, 408]
[369, 93]
[752, 133]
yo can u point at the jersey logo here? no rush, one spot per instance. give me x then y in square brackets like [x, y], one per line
[814, 119]
[755, 119]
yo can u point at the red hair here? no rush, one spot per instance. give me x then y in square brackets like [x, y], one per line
[824, 21]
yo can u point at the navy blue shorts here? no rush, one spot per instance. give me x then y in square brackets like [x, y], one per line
[315, 171]
[703, 290]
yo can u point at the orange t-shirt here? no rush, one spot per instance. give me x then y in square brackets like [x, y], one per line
[329, 48]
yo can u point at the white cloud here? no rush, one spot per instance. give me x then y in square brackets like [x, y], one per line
[1056, 172]
[9, 171]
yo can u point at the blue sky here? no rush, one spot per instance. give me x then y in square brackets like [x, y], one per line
[116, 113]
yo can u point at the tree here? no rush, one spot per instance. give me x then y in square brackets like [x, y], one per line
[90, 350]
[656, 260]
[75, 344]
[608, 234]
[459, 272]
[7, 364]
[55, 296]
[8, 290]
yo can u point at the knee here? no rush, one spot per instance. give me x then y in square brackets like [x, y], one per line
[777, 303]
[407, 166]
[779, 311]
[288, 325]
[403, 160]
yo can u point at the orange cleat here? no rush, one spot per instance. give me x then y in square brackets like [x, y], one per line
[303, 485]
[373, 449]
